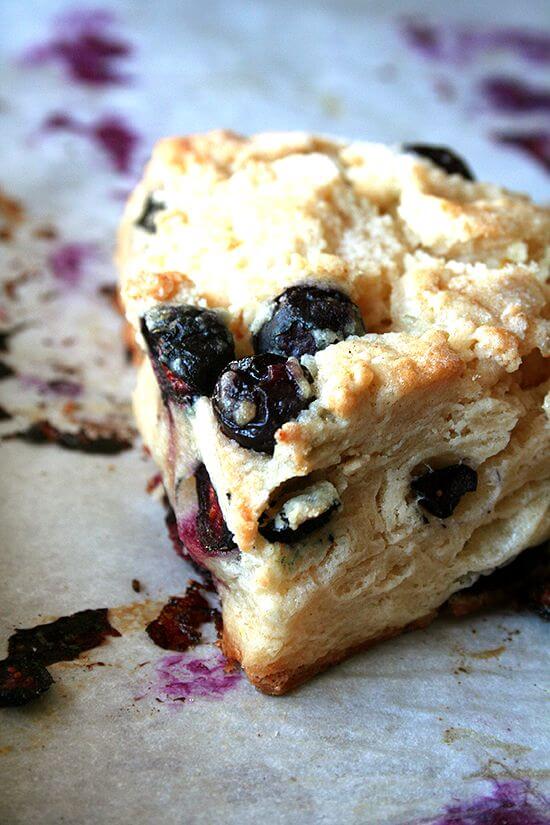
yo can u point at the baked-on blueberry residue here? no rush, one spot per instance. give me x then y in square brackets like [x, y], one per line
[83, 45]
[99, 443]
[23, 674]
[181, 677]
[110, 133]
[64, 639]
[22, 680]
[510, 803]
[456, 43]
[178, 626]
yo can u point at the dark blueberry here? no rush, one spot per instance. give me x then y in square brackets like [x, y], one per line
[189, 348]
[22, 680]
[439, 491]
[212, 530]
[306, 319]
[255, 396]
[285, 534]
[444, 158]
[146, 220]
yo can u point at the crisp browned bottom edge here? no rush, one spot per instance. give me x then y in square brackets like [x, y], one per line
[276, 682]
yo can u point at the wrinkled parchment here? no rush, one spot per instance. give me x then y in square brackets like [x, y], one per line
[391, 736]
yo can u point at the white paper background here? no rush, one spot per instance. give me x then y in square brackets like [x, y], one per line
[390, 736]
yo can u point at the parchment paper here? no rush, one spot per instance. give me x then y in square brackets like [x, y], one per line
[391, 736]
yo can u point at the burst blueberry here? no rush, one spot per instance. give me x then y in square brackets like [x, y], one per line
[306, 319]
[212, 530]
[443, 157]
[439, 491]
[189, 347]
[255, 396]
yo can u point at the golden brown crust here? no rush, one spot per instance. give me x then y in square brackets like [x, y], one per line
[277, 682]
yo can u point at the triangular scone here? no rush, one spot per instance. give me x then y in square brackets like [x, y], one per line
[419, 458]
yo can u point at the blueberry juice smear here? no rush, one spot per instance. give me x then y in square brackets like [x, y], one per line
[255, 396]
[306, 319]
[189, 347]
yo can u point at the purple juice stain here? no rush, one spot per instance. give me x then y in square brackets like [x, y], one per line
[110, 133]
[84, 47]
[535, 143]
[510, 803]
[460, 43]
[508, 94]
[57, 386]
[68, 262]
[181, 677]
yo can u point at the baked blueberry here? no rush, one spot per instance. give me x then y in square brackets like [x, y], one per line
[189, 347]
[306, 319]
[439, 491]
[255, 396]
[212, 530]
[146, 219]
[443, 157]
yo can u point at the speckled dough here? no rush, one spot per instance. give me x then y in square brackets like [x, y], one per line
[451, 278]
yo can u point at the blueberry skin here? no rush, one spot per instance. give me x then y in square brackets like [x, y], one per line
[265, 389]
[189, 347]
[306, 319]
[443, 157]
[212, 530]
[439, 491]
[146, 220]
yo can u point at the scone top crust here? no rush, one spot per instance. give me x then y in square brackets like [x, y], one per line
[450, 277]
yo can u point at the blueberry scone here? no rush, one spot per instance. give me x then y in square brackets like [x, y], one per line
[344, 381]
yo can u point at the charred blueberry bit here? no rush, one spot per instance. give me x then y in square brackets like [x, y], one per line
[439, 491]
[22, 679]
[64, 639]
[146, 220]
[443, 157]
[306, 319]
[255, 396]
[177, 627]
[212, 530]
[189, 348]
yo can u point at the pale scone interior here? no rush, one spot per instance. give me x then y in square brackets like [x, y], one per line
[450, 373]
